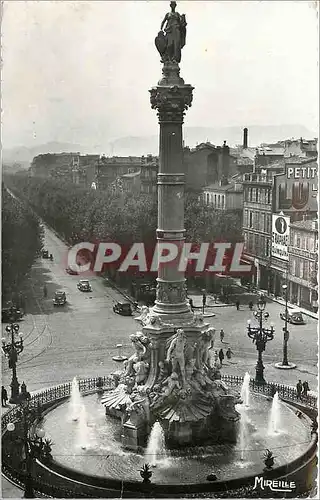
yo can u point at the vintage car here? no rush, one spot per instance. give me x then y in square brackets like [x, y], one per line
[84, 286]
[10, 314]
[123, 308]
[294, 317]
[45, 254]
[73, 272]
[59, 299]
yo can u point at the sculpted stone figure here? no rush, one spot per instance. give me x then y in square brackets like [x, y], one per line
[140, 343]
[141, 369]
[144, 314]
[172, 37]
[172, 383]
[204, 347]
[175, 353]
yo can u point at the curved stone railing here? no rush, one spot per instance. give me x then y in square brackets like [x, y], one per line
[48, 397]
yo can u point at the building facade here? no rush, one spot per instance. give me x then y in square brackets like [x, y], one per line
[257, 218]
[224, 196]
[303, 264]
[65, 167]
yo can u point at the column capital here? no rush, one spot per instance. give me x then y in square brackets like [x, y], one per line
[171, 101]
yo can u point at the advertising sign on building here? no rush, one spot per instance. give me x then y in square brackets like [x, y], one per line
[297, 189]
[280, 236]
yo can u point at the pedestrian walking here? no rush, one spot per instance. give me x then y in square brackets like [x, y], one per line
[45, 291]
[204, 301]
[250, 305]
[299, 389]
[191, 304]
[4, 396]
[221, 335]
[306, 388]
[237, 305]
[221, 356]
[228, 353]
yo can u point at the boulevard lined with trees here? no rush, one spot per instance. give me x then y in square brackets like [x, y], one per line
[21, 243]
[80, 214]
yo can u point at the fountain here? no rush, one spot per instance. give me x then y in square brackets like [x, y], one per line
[83, 430]
[156, 449]
[243, 440]
[75, 401]
[245, 390]
[274, 419]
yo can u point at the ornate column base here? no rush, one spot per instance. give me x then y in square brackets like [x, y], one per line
[171, 300]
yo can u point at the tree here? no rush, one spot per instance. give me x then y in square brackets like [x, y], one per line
[21, 243]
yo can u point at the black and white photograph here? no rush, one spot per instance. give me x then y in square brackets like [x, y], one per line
[159, 248]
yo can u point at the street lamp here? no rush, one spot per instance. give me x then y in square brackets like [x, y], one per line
[285, 363]
[285, 329]
[11, 350]
[260, 335]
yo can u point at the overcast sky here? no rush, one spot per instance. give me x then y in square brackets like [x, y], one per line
[80, 72]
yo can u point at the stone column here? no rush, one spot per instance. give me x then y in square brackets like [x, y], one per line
[171, 98]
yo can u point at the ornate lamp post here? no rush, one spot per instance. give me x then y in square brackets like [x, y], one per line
[285, 329]
[285, 363]
[11, 350]
[260, 336]
[34, 446]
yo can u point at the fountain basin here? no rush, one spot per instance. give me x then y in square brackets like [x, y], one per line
[104, 457]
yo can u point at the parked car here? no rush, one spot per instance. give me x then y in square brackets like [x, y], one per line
[123, 308]
[84, 286]
[11, 314]
[45, 254]
[59, 299]
[295, 317]
[73, 272]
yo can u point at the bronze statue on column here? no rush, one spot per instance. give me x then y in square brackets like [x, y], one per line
[172, 37]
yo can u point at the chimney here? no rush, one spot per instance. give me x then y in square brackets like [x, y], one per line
[245, 138]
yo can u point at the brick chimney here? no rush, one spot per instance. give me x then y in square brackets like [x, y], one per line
[245, 138]
[225, 160]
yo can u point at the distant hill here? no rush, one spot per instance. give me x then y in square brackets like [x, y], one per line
[136, 146]
[24, 155]
[143, 145]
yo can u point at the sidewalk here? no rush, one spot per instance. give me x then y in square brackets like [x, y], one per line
[292, 306]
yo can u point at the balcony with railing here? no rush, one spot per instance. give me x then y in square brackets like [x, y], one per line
[257, 178]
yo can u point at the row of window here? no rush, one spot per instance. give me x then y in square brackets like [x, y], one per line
[257, 195]
[303, 241]
[301, 268]
[257, 220]
[257, 244]
[217, 200]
